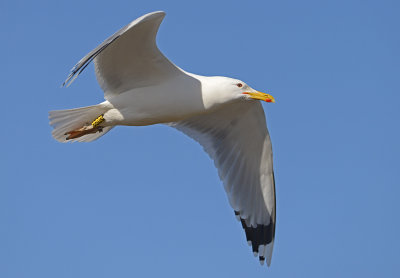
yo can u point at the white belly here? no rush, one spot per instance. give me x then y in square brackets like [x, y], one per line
[167, 102]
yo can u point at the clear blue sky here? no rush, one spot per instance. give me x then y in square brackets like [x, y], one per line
[147, 202]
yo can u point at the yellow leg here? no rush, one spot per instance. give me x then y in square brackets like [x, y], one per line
[93, 128]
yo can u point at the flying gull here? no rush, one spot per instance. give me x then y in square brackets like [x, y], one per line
[142, 87]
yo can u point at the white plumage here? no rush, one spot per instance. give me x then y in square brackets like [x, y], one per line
[142, 87]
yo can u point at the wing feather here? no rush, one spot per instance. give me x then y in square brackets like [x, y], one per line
[237, 139]
[129, 58]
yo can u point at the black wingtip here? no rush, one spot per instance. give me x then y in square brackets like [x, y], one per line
[261, 235]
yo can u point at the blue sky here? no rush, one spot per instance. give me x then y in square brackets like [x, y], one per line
[147, 201]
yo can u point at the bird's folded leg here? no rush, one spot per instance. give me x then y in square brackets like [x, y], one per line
[76, 133]
[86, 129]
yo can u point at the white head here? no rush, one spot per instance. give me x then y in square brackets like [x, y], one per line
[223, 89]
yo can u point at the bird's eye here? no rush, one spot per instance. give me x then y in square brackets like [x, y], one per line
[240, 85]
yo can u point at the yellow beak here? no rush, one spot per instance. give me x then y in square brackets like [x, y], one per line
[261, 96]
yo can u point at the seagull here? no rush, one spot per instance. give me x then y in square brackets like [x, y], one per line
[142, 87]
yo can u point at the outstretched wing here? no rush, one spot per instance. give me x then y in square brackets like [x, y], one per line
[237, 139]
[129, 59]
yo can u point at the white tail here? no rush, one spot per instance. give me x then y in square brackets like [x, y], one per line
[66, 120]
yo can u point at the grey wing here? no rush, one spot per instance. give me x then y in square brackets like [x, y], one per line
[129, 59]
[237, 139]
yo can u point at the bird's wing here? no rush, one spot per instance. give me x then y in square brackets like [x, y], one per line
[237, 139]
[129, 59]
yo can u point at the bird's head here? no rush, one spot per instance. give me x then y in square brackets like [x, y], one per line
[234, 89]
[248, 93]
[219, 90]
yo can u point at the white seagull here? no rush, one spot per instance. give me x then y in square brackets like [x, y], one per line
[142, 87]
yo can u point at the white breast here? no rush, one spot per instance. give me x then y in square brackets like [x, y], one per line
[174, 100]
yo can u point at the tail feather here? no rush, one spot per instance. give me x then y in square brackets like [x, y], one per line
[66, 120]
